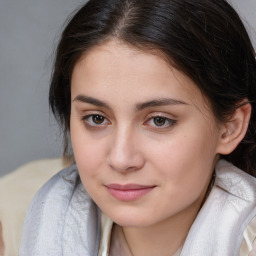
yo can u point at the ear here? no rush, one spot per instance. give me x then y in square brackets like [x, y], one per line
[233, 131]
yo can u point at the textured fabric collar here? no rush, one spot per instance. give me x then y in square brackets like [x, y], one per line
[231, 205]
[62, 220]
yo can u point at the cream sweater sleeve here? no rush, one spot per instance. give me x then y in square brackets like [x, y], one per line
[16, 191]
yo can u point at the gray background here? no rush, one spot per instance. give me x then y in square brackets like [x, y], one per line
[29, 32]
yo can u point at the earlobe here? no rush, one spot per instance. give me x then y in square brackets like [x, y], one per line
[233, 131]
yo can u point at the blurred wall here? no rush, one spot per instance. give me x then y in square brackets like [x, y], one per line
[247, 11]
[29, 31]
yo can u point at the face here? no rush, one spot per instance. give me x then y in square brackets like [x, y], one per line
[144, 139]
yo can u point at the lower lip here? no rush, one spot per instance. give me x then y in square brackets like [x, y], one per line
[129, 194]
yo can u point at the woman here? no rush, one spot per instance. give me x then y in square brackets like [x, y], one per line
[157, 99]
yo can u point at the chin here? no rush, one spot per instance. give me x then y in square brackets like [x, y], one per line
[131, 220]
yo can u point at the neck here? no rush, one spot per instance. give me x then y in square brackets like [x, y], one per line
[164, 238]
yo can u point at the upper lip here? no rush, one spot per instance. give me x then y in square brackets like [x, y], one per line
[128, 186]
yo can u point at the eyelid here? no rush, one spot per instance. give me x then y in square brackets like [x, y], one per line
[88, 113]
[161, 114]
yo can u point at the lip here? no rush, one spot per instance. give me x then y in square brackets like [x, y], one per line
[128, 192]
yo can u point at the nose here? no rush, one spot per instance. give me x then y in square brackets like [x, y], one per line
[125, 154]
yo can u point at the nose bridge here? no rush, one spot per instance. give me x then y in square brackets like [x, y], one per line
[124, 152]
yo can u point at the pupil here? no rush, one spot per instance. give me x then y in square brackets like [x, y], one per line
[159, 121]
[97, 119]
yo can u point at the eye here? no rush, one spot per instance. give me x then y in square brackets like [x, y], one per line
[161, 122]
[95, 120]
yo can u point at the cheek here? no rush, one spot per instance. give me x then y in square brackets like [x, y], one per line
[89, 162]
[185, 163]
[88, 153]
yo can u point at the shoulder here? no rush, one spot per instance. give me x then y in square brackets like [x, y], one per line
[242, 190]
[18, 188]
[16, 192]
[56, 191]
[61, 214]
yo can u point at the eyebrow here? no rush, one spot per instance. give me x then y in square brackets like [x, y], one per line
[139, 106]
[159, 102]
[90, 100]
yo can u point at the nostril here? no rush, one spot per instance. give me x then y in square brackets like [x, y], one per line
[126, 161]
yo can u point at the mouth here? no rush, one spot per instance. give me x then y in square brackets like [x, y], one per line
[128, 192]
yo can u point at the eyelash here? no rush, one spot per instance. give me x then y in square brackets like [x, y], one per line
[167, 122]
[92, 124]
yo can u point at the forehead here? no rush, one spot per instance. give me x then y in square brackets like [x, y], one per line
[122, 69]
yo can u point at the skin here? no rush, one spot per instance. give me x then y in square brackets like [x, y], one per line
[125, 144]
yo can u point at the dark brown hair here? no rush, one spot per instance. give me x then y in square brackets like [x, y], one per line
[205, 39]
